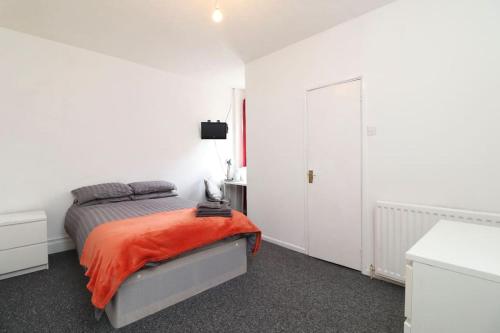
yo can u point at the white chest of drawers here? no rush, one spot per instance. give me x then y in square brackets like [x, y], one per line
[453, 280]
[23, 243]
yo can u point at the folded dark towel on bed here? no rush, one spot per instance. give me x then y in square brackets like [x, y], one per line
[209, 205]
[211, 214]
[213, 204]
[223, 207]
[219, 208]
[214, 210]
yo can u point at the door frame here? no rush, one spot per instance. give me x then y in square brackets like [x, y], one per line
[364, 212]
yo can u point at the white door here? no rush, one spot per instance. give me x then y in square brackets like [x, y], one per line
[334, 158]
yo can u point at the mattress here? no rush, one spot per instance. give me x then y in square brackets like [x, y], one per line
[81, 220]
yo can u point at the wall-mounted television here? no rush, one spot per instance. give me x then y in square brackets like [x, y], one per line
[213, 130]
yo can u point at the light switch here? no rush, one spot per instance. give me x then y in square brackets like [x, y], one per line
[371, 131]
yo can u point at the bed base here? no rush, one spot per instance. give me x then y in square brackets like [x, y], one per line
[153, 289]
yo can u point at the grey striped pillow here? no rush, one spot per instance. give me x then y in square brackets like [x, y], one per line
[154, 186]
[101, 192]
[106, 201]
[154, 195]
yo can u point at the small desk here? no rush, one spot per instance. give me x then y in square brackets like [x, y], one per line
[240, 194]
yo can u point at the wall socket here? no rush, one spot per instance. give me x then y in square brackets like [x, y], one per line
[371, 130]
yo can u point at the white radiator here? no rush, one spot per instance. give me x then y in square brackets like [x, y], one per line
[399, 226]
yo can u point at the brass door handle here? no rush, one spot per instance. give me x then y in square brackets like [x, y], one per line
[310, 176]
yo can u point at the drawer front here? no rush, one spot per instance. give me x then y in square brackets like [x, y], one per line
[23, 257]
[16, 235]
[408, 291]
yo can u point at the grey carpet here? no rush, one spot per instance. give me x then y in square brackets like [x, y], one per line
[283, 291]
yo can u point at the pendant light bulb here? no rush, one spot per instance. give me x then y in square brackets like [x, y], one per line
[217, 15]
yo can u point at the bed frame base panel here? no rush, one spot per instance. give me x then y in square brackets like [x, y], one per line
[154, 289]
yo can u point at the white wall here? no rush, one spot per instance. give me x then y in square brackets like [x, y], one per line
[70, 117]
[431, 76]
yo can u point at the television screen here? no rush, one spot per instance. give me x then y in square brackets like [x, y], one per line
[213, 130]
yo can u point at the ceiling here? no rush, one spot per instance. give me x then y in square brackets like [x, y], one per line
[178, 35]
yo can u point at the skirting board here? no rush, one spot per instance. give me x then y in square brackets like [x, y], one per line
[60, 244]
[284, 244]
[364, 271]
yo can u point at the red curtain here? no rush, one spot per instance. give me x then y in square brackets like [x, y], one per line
[244, 139]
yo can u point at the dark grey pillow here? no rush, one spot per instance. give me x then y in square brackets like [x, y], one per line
[101, 191]
[154, 195]
[152, 187]
[106, 201]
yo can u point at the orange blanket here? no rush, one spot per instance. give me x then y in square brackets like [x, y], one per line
[116, 249]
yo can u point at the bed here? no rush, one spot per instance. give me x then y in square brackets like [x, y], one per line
[159, 284]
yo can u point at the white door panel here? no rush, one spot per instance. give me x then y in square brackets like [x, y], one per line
[334, 154]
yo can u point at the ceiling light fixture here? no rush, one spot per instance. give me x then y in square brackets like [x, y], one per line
[217, 14]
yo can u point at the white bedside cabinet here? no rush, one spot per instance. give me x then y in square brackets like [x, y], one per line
[453, 280]
[23, 243]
